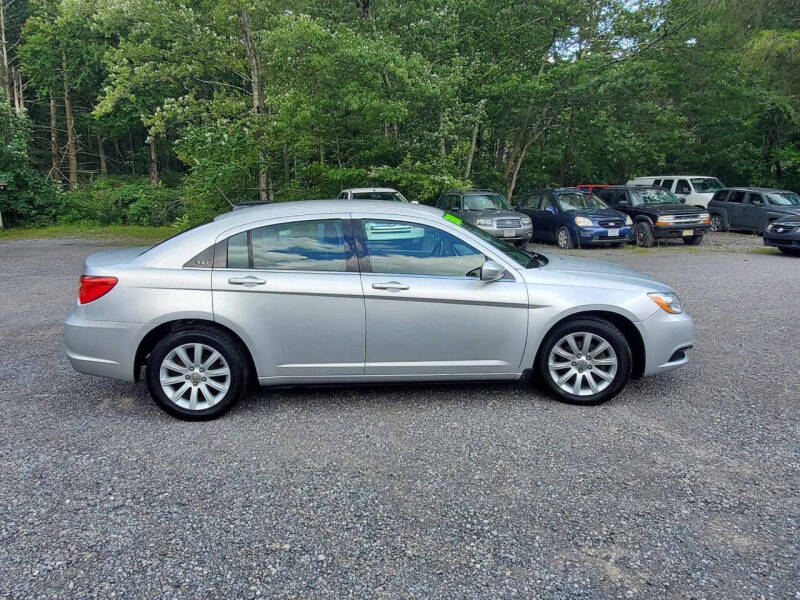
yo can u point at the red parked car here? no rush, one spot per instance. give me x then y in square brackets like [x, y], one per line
[591, 187]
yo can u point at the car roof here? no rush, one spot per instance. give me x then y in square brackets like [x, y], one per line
[197, 239]
[472, 191]
[369, 189]
[756, 189]
[662, 176]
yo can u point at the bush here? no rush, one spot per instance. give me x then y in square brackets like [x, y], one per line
[122, 200]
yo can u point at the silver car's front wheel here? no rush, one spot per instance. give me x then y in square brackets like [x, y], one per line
[582, 363]
[197, 373]
[586, 360]
[195, 376]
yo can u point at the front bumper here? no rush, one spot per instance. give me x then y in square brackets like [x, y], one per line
[103, 348]
[679, 231]
[787, 240]
[510, 234]
[600, 235]
[667, 339]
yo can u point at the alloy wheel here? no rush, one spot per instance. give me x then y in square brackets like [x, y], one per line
[195, 376]
[582, 363]
[563, 238]
[716, 223]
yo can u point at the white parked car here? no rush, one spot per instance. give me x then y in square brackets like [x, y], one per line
[696, 190]
[374, 193]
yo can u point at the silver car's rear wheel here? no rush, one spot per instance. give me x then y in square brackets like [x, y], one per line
[582, 363]
[197, 372]
[195, 376]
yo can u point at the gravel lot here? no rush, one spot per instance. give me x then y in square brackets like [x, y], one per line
[684, 486]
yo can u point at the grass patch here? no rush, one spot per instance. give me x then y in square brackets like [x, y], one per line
[91, 231]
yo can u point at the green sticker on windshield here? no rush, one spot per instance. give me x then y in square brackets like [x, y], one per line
[453, 219]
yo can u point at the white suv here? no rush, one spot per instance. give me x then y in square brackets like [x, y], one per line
[692, 189]
[375, 193]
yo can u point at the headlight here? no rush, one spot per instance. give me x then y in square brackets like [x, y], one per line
[665, 220]
[628, 220]
[583, 222]
[667, 301]
[526, 220]
[483, 222]
[769, 227]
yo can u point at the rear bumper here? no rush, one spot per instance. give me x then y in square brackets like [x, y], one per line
[667, 339]
[103, 348]
[679, 231]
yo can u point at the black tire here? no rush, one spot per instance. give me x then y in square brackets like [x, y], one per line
[216, 339]
[564, 239]
[521, 244]
[599, 327]
[789, 251]
[718, 223]
[694, 240]
[644, 234]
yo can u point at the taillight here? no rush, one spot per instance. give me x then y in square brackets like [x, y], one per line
[93, 288]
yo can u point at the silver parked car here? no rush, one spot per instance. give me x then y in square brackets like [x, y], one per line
[354, 291]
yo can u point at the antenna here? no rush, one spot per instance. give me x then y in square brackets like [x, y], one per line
[233, 206]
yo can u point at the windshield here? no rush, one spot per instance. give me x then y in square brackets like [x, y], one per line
[784, 198]
[706, 184]
[653, 196]
[577, 201]
[486, 202]
[523, 259]
[390, 196]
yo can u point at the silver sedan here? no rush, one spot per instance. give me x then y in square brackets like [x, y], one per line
[356, 291]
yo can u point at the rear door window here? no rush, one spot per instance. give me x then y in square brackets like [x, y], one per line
[296, 246]
[667, 184]
[737, 196]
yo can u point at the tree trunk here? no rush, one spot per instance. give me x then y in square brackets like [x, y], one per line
[102, 152]
[153, 159]
[264, 178]
[475, 130]
[72, 144]
[55, 158]
[270, 193]
[515, 171]
[287, 175]
[5, 76]
[19, 90]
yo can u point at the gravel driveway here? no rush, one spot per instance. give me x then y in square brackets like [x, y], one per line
[684, 486]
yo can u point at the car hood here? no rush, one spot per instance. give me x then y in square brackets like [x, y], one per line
[471, 215]
[789, 210]
[599, 213]
[788, 219]
[597, 272]
[671, 209]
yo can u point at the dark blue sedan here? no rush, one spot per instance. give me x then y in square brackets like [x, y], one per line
[784, 234]
[570, 217]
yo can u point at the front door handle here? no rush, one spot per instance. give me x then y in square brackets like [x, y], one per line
[389, 285]
[250, 280]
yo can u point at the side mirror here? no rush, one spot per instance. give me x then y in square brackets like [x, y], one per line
[682, 199]
[623, 203]
[492, 271]
[551, 209]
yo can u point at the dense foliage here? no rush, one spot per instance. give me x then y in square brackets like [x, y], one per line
[169, 107]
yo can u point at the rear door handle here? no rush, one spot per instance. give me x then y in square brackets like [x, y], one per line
[250, 280]
[389, 285]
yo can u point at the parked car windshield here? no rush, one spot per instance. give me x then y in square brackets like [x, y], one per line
[577, 201]
[524, 259]
[486, 202]
[784, 198]
[706, 184]
[390, 196]
[654, 196]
